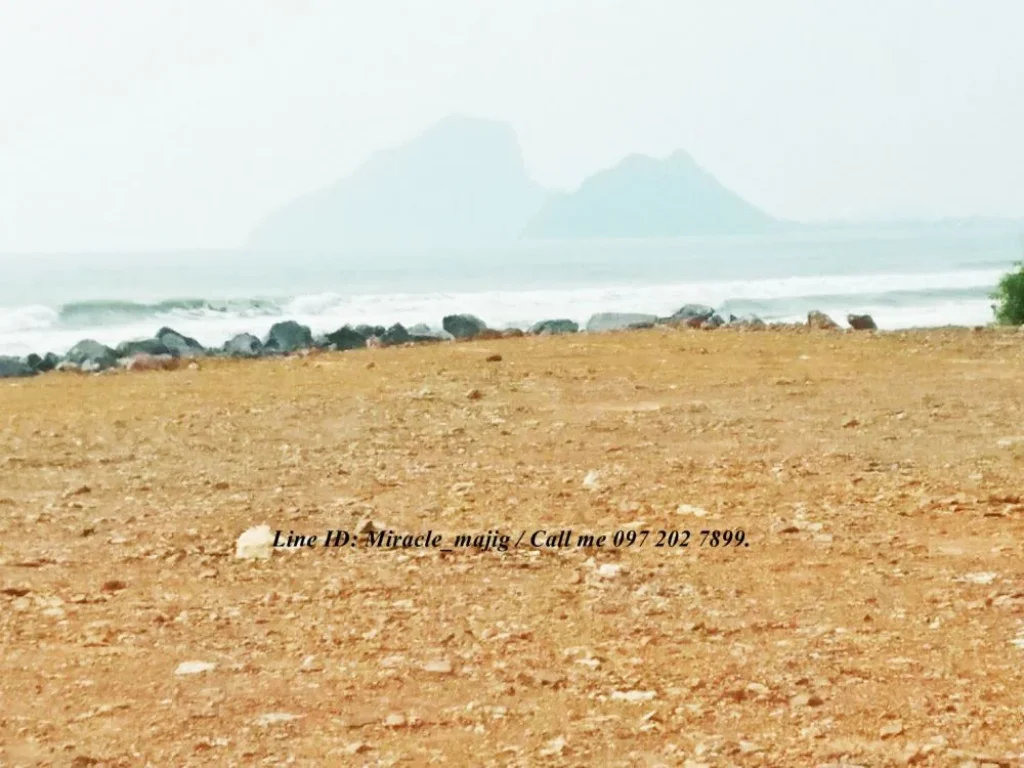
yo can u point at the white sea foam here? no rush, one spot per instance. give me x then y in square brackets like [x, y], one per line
[895, 300]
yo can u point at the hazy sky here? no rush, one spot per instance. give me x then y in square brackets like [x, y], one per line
[135, 124]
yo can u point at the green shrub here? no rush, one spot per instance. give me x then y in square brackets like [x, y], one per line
[1009, 298]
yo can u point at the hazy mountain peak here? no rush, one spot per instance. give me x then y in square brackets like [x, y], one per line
[643, 196]
[463, 179]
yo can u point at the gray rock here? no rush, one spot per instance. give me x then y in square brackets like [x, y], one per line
[554, 327]
[366, 331]
[396, 334]
[50, 362]
[146, 346]
[15, 368]
[288, 336]
[243, 345]
[178, 344]
[430, 336]
[90, 355]
[690, 314]
[746, 321]
[619, 321]
[861, 322]
[346, 338]
[464, 326]
[715, 321]
[820, 321]
[42, 364]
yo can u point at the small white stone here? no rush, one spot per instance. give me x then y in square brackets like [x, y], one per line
[273, 718]
[689, 509]
[633, 696]
[255, 544]
[591, 481]
[554, 747]
[609, 570]
[438, 666]
[194, 667]
[981, 577]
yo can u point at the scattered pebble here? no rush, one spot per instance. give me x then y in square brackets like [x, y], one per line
[633, 696]
[438, 666]
[609, 570]
[555, 747]
[689, 509]
[194, 667]
[255, 544]
[274, 718]
[891, 729]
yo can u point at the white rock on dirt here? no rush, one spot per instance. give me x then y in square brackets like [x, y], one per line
[980, 577]
[633, 696]
[609, 570]
[592, 481]
[689, 509]
[194, 667]
[273, 718]
[255, 544]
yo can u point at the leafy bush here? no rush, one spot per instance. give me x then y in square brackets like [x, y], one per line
[1009, 297]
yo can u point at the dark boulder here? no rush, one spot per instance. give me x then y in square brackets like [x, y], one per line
[243, 345]
[396, 334]
[691, 315]
[366, 331]
[43, 364]
[861, 322]
[554, 327]
[464, 326]
[619, 321]
[145, 346]
[90, 355]
[288, 336]
[15, 368]
[346, 338]
[178, 344]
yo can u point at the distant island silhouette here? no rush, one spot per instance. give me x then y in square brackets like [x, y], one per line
[464, 181]
[461, 181]
[646, 197]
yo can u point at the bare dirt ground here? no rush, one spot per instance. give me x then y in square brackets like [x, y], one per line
[876, 617]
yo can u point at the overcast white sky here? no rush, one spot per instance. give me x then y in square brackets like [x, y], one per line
[157, 124]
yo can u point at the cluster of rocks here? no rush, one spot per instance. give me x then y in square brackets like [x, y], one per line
[168, 348]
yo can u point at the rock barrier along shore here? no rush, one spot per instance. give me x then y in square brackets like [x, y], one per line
[168, 349]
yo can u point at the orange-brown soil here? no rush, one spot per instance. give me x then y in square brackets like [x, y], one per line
[876, 617]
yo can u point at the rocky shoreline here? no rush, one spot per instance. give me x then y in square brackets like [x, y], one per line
[167, 348]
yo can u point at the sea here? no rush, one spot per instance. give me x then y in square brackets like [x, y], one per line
[905, 277]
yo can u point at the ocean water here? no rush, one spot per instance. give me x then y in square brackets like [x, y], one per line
[903, 277]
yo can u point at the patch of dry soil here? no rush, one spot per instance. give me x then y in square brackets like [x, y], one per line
[876, 617]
